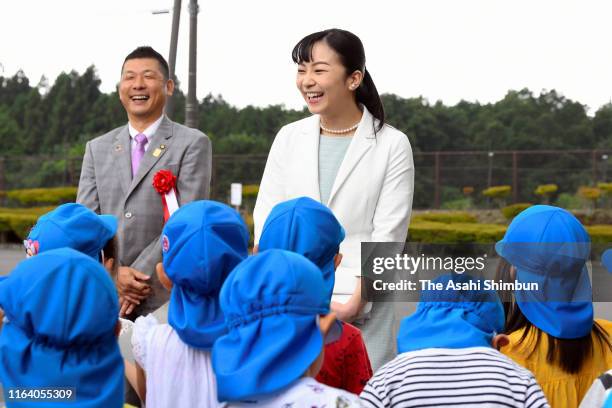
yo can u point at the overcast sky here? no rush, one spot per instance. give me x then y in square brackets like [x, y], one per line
[441, 49]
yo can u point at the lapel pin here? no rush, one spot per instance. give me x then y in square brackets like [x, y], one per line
[162, 147]
[118, 148]
[156, 152]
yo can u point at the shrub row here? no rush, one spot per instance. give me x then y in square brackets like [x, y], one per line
[453, 227]
[447, 217]
[38, 196]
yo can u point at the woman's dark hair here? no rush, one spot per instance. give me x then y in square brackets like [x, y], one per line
[569, 354]
[504, 273]
[352, 55]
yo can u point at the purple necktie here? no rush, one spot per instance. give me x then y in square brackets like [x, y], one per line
[138, 151]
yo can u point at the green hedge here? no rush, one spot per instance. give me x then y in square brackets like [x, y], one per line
[449, 217]
[441, 233]
[19, 220]
[600, 234]
[250, 191]
[34, 196]
[513, 210]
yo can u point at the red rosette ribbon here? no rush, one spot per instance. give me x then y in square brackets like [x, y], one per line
[164, 183]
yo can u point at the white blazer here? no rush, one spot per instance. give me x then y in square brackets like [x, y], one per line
[371, 195]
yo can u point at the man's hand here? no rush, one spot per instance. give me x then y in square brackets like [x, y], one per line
[131, 284]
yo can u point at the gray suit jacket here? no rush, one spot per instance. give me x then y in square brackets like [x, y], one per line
[107, 187]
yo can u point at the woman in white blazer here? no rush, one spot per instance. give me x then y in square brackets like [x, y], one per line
[346, 157]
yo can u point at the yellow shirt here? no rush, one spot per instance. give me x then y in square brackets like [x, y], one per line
[563, 390]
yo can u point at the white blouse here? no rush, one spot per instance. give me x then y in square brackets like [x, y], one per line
[177, 375]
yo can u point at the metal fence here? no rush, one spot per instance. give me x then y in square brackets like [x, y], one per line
[440, 177]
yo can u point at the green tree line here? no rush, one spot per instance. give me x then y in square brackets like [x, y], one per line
[48, 119]
[56, 120]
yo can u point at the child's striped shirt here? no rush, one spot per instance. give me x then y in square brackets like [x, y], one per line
[470, 377]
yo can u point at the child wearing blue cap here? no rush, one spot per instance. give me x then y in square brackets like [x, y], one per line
[201, 243]
[548, 246]
[75, 226]
[60, 332]
[277, 313]
[309, 228]
[449, 357]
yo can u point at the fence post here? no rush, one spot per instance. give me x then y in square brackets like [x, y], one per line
[437, 180]
[594, 160]
[212, 195]
[2, 174]
[515, 176]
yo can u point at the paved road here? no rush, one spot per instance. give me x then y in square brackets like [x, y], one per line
[10, 255]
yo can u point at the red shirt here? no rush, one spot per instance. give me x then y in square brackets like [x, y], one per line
[346, 364]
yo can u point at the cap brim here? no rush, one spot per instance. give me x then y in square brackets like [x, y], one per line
[560, 307]
[265, 355]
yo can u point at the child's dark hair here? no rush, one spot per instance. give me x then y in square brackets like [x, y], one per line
[352, 55]
[110, 250]
[504, 273]
[569, 354]
[149, 52]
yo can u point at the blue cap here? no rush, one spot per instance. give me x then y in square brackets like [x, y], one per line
[309, 228]
[453, 318]
[548, 246]
[74, 226]
[271, 303]
[606, 260]
[62, 311]
[201, 243]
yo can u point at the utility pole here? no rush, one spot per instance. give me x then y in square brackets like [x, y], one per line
[191, 105]
[176, 18]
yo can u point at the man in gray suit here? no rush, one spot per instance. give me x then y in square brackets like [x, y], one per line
[118, 170]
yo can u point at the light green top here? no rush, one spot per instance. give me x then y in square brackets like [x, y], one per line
[331, 153]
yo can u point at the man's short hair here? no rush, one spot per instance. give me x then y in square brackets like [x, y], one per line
[149, 52]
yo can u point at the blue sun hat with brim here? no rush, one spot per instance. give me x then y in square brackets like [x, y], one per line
[201, 244]
[452, 318]
[73, 226]
[61, 313]
[549, 247]
[272, 302]
[309, 228]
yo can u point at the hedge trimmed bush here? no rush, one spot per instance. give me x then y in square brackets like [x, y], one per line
[28, 197]
[250, 191]
[546, 189]
[600, 234]
[513, 210]
[497, 192]
[440, 233]
[450, 217]
[605, 188]
[19, 220]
